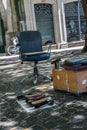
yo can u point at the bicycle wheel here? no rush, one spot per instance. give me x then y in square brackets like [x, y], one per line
[11, 50]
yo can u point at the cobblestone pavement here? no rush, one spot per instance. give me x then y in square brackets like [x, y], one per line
[70, 112]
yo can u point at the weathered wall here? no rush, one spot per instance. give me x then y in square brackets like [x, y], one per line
[3, 13]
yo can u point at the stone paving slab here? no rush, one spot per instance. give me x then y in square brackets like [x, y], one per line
[70, 113]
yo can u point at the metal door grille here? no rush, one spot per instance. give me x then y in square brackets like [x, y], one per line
[44, 21]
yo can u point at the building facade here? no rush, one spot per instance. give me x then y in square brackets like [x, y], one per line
[59, 21]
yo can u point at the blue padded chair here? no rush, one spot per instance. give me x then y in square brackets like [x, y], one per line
[31, 50]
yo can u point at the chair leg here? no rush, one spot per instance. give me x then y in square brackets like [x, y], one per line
[26, 77]
[45, 76]
[35, 79]
[35, 75]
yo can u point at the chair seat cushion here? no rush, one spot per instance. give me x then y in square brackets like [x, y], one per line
[37, 57]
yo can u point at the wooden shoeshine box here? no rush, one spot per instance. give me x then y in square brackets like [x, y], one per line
[60, 80]
[74, 81]
[77, 81]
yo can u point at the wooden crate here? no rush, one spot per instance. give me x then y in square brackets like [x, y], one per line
[77, 81]
[60, 79]
[70, 80]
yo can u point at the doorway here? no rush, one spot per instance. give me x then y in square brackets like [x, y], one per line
[44, 21]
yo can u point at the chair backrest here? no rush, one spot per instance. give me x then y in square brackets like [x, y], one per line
[30, 41]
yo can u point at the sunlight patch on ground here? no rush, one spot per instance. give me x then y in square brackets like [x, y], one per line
[55, 113]
[8, 123]
[77, 103]
[83, 103]
[78, 118]
[7, 66]
[27, 90]
[29, 129]
[1, 103]
[69, 103]
[44, 87]
[21, 73]
[19, 128]
[11, 93]
[11, 97]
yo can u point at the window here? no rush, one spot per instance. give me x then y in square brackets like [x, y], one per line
[75, 21]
